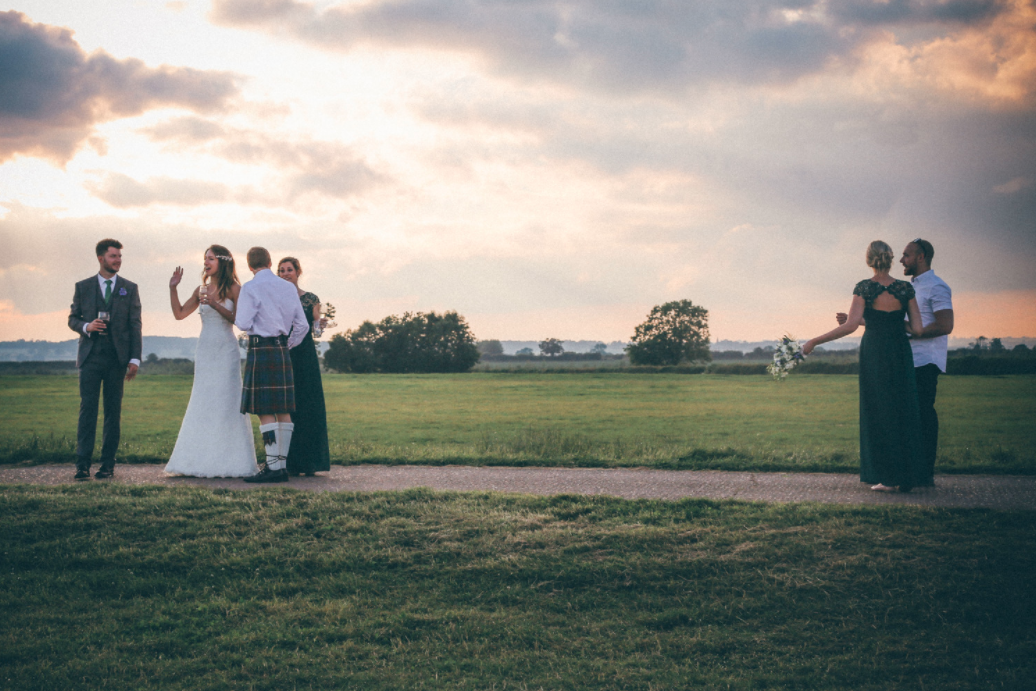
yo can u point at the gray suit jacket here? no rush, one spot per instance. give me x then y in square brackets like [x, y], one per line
[124, 326]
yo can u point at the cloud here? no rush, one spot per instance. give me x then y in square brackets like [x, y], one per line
[302, 166]
[52, 93]
[185, 130]
[656, 46]
[1013, 185]
[123, 192]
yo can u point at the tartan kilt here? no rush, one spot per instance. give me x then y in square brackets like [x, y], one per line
[269, 386]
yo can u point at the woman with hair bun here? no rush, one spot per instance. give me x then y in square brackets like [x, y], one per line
[309, 451]
[215, 438]
[890, 442]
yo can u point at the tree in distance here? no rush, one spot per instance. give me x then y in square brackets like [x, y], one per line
[491, 347]
[552, 347]
[599, 348]
[524, 351]
[674, 332]
[411, 343]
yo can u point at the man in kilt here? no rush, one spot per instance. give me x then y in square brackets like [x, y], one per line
[269, 309]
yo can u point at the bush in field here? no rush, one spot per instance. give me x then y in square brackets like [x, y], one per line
[675, 332]
[410, 343]
[491, 347]
[552, 347]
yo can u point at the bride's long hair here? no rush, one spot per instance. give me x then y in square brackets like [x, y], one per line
[226, 275]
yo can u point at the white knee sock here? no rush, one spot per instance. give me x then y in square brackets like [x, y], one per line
[283, 442]
[270, 442]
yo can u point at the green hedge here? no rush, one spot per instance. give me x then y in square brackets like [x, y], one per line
[974, 364]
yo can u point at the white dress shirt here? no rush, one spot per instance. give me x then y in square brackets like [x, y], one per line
[933, 295]
[269, 306]
[100, 281]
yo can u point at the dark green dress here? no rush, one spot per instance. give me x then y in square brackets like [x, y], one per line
[308, 452]
[890, 441]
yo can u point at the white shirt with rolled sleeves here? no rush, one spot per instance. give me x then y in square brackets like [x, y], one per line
[269, 306]
[933, 295]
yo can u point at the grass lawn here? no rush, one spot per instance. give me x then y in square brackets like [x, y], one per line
[109, 586]
[808, 423]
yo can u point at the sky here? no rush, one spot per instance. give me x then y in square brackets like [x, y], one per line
[546, 169]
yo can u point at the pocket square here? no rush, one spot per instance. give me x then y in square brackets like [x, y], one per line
[122, 291]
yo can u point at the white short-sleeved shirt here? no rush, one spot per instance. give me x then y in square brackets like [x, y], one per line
[933, 295]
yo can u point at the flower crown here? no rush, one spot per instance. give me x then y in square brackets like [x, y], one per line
[224, 258]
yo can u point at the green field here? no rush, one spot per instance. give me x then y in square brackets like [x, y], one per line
[808, 423]
[110, 586]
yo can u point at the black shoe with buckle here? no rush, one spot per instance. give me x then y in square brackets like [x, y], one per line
[267, 475]
[105, 473]
[82, 473]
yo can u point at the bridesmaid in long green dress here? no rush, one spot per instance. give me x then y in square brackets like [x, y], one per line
[309, 452]
[890, 442]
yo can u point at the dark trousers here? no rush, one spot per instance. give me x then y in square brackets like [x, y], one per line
[927, 381]
[101, 369]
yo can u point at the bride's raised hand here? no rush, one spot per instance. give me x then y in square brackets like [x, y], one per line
[177, 275]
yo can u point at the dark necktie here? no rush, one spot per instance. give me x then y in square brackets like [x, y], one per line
[108, 292]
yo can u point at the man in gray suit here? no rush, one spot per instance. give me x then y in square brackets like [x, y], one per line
[109, 354]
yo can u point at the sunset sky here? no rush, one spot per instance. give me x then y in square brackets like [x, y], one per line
[547, 169]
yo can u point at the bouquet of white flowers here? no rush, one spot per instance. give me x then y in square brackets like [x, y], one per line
[787, 354]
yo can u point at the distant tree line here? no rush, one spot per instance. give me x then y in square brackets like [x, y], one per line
[994, 346]
[413, 342]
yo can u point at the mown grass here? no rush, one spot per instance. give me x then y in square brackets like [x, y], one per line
[808, 423]
[111, 586]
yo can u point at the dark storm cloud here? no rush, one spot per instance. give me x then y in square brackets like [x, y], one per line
[613, 44]
[52, 93]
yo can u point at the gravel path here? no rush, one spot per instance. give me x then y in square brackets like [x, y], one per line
[965, 491]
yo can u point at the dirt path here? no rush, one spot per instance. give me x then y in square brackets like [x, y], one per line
[965, 491]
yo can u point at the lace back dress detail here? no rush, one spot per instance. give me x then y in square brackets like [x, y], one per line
[215, 438]
[870, 289]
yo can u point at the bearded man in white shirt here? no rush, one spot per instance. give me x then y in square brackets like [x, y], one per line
[269, 310]
[934, 298]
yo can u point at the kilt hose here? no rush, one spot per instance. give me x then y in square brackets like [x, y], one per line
[268, 387]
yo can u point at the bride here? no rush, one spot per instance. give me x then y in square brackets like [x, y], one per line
[215, 437]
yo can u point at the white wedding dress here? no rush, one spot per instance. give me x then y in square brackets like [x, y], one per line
[215, 437]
